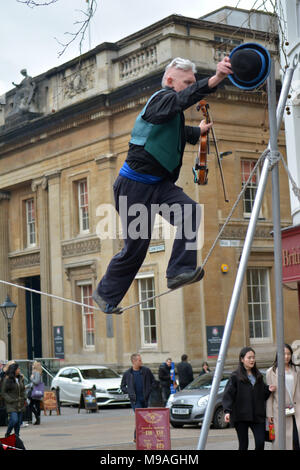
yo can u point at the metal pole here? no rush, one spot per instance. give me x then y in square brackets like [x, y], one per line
[240, 274]
[9, 353]
[280, 431]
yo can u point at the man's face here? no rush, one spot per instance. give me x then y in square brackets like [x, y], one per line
[138, 362]
[169, 362]
[179, 79]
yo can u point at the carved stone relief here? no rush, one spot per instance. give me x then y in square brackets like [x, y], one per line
[80, 247]
[78, 81]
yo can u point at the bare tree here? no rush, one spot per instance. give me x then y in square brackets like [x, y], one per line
[82, 25]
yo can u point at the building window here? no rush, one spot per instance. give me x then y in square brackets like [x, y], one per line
[147, 312]
[228, 40]
[83, 206]
[88, 320]
[30, 223]
[259, 304]
[250, 193]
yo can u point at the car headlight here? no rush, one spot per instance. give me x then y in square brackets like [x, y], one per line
[170, 400]
[202, 402]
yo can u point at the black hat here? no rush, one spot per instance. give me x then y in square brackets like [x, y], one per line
[251, 65]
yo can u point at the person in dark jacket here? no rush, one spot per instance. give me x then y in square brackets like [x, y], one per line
[185, 372]
[137, 382]
[164, 375]
[13, 393]
[244, 400]
[148, 177]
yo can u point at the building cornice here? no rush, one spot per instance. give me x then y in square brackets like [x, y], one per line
[130, 96]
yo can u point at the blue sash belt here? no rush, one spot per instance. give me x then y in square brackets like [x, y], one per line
[127, 172]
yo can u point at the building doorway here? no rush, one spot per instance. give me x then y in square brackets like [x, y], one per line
[33, 318]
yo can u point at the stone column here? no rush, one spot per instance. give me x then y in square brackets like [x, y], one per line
[4, 262]
[40, 186]
[56, 272]
[107, 168]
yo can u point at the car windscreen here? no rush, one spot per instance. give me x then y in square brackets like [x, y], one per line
[205, 381]
[98, 374]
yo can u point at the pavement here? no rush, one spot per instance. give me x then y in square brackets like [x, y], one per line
[111, 429]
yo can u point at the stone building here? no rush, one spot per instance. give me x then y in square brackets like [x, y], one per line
[63, 137]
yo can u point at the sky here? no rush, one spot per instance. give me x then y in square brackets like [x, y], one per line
[29, 36]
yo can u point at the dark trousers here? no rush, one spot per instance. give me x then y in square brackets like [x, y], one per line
[35, 406]
[138, 404]
[258, 430]
[166, 199]
[296, 444]
[165, 393]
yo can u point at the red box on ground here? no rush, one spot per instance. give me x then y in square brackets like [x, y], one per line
[152, 429]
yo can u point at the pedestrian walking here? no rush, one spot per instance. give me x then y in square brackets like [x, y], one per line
[36, 393]
[164, 375]
[244, 400]
[292, 400]
[13, 393]
[137, 382]
[185, 372]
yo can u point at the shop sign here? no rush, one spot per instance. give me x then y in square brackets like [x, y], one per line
[291, 254]
[214, 336]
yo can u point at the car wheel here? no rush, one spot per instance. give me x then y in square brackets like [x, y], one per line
[176, 425]
[218, 419]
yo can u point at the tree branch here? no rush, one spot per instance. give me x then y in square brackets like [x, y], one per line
[83, 24]
[33, 3]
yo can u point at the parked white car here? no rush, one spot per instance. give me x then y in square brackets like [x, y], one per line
[72, 379]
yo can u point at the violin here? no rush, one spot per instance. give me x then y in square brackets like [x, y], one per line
[200, 170]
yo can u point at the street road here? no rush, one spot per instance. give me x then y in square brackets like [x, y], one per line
[111, 429]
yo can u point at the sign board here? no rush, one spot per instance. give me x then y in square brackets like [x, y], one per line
[214, 336]
[58, 336]
[152, 429]
[88, 399]
[50, 402]
[291, 254]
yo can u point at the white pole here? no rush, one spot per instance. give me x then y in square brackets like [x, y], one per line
[241, 272]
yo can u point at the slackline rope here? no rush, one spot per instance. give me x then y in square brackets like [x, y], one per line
[63, 299]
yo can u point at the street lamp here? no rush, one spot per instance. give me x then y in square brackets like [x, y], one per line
[8, 309]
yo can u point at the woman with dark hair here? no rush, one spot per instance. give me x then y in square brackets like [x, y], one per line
[244, 400]
[13, 393]
[205, 368]
[292, 400]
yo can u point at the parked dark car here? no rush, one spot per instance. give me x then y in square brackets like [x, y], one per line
[188, 406]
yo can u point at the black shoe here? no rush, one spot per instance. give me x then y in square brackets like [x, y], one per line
[38, 421]
[104, 306]
[188, 277]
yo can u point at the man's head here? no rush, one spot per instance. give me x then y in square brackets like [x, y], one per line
[136, 361]
[169, 362]
[179, 74]
[184, 357]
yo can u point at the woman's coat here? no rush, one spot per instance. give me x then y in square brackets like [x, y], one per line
[272, 406]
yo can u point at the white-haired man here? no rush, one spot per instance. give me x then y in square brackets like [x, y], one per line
[148, 178]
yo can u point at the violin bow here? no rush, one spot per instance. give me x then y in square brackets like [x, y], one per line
[219, 161]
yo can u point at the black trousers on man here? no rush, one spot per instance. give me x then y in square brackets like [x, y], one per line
[184, 214]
